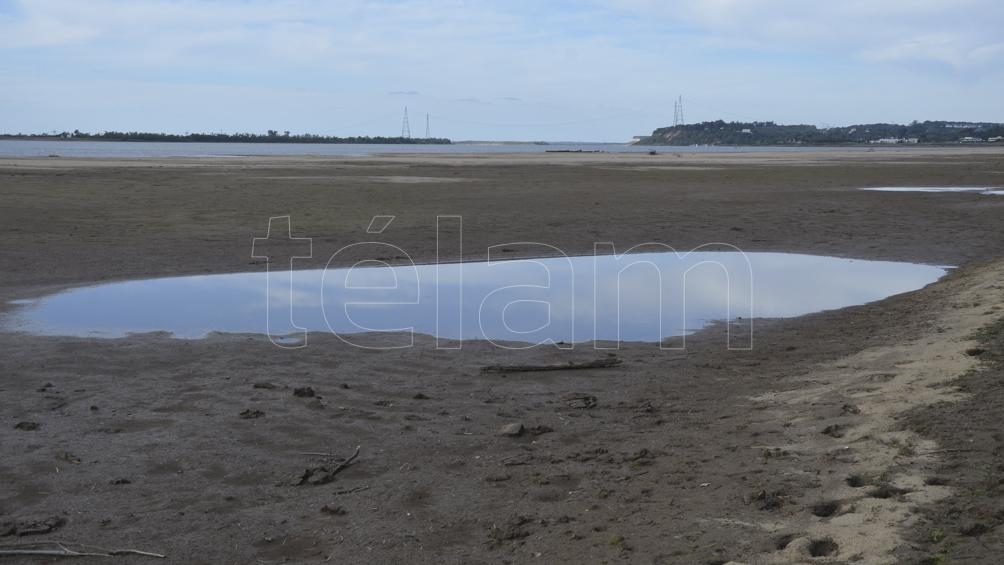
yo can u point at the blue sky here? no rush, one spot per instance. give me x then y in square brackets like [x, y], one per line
[519, 69]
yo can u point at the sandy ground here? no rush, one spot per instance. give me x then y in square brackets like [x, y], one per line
[834, 440]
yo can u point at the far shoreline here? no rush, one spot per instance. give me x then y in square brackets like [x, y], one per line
[642, 147]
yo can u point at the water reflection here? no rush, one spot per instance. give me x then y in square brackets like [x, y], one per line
[995, 190]
[636, 297]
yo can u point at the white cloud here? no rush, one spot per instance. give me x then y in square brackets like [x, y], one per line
[962, 34]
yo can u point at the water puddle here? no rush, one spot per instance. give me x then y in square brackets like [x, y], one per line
[995, 190]
[634, 297]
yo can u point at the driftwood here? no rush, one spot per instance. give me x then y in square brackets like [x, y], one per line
[60, 549]
[352, 490]
[346, 463]
[322, 475]
[570, 366]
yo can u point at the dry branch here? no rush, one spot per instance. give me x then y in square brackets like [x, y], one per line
[322, 475]
[570, 366]
[61, 550]
[346, 463]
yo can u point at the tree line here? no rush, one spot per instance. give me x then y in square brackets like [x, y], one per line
[769, 133]
[272, 136]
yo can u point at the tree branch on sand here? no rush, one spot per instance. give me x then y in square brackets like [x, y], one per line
[570, 366]
[61, 549]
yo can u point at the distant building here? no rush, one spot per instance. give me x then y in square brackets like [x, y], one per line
[746, 130]
[970, 140]
[893, 140]
[995, 139]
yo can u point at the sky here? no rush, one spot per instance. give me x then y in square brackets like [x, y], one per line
[600, 70]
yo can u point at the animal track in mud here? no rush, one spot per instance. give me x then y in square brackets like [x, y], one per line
[856, 481]
[880, 377]
[835, 430]
[823, 547]
[784, 541]
[825, 509]
[887, 491]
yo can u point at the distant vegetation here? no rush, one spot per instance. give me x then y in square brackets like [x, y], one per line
[272, 136]
[769, 133]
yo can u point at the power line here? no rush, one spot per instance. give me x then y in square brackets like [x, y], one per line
[427, 136]
[545, 124]
[405, 128]
[381, 118]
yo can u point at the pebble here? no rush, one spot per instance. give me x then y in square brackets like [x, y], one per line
[511, 430]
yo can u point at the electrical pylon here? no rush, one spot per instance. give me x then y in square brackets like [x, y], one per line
[405, 128]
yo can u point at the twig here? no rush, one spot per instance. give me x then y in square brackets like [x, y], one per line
[135, 552]
[52, 552]
[570, 366]
[352, 490]
[944, 451]
[322, 475]
[345, 463]
[62, 551]
[330, 455]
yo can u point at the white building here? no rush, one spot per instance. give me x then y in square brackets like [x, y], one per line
[891, 140]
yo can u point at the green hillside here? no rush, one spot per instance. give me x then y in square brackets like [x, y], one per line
[769, 133]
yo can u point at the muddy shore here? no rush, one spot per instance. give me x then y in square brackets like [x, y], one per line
[807, 448]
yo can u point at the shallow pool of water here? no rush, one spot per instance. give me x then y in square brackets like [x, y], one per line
[995, 190]
[633, 297]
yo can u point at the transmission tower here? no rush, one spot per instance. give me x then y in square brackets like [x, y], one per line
[405, 128]
[427, 136]
[678, 111]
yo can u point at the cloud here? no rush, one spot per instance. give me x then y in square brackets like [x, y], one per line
[358, 36]
[41, 31]
[964, 35]
[470, 100]
[597, 69]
